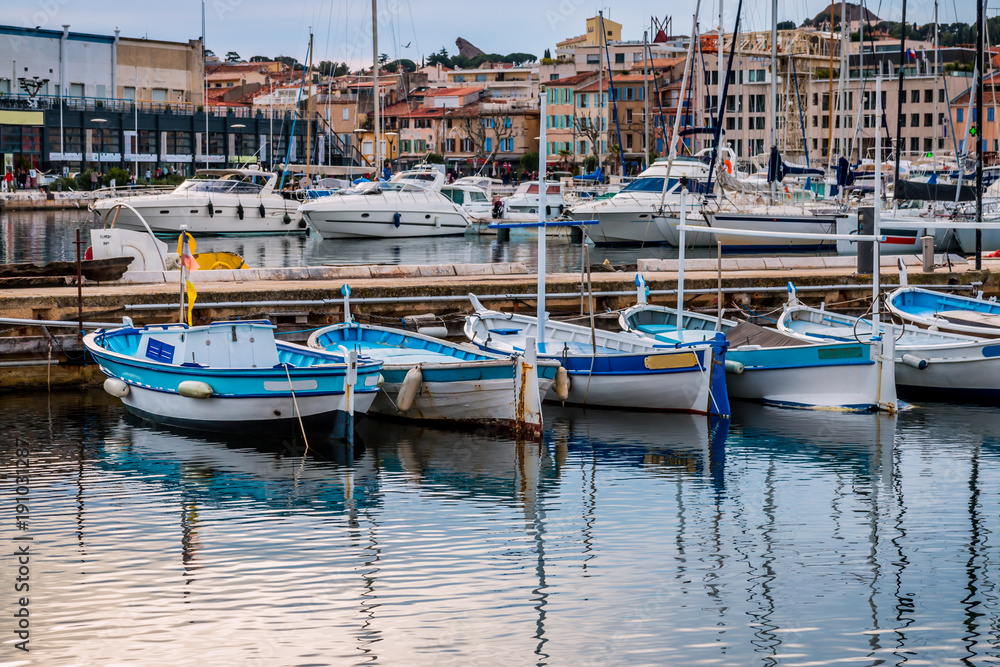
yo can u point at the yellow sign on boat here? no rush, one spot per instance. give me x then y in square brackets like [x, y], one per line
[659, 362]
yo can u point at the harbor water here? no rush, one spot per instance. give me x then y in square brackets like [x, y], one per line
[783, 538]
[44, 236]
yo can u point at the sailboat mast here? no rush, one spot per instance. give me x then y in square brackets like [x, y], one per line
[309, 116]
[645, 98]
[899, 99]
[376, 96]
[774, 84]
[601, 129]
[841, 93]
[979, 132]
[543, 158]
[830, 105]
[937, 67]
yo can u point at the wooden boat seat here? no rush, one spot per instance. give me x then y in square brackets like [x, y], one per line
[746, 333]
[970, 318]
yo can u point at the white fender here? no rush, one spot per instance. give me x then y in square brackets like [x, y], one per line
[116, 387]
[734, 367]
[195, 389]
[562, 384]
[913, 360]
[411, 386]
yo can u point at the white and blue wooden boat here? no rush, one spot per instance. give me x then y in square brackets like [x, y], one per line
[950, 313]
[929, 364]
[429, 379]
[232, 377]
[765, 366]
[614, 370]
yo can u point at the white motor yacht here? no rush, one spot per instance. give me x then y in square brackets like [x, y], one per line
[523, 204]
[641, 213]
[212, 202]
[409, 205]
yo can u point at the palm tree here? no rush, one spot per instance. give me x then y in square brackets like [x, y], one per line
[565, 154]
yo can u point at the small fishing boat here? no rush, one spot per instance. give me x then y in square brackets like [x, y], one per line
[949, 313]
[614, 370]
[428, 379]
[766, 366]
[232, 377]
[29, 274]
[929, 364]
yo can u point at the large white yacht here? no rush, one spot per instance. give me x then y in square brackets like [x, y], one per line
[212, 202]
[409, 205]
[641, 212]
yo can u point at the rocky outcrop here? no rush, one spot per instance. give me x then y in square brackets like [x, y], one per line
[467, 48]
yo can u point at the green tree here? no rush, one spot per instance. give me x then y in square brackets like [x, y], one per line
[407, 65]
[786, 25]
[434, 158]
[233, 57]
[260, 59]
[529, 161]
[547, 55]
[289, 61]
[440, 58]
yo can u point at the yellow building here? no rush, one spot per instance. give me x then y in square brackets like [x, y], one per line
[612, 32]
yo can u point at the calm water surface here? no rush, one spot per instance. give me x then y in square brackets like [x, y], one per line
[48, 235]
[798, 538]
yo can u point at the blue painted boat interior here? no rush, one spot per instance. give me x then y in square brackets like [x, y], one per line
[927, 304]
[237, 345]
[396, 347]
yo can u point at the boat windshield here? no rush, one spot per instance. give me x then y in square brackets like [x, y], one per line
[377, 187]
[246, 185]
[655, 184]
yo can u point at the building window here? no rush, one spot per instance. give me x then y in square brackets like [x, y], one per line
[129, 92]
[914, 145]
[159, 94]
[989, 114]
[619, 58]
[914, 97]
[928, 96]
[959, 115]
[480, 78]
[489, 144]
[915, 120]
[593, 58]
[76, 90]
[459, 78]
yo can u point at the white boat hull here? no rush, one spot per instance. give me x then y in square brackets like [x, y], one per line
[168, 214]
[223, 414]
[386, 215]
[849, 387]
[483, 402]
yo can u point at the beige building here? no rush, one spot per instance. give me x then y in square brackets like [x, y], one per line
[158, 71]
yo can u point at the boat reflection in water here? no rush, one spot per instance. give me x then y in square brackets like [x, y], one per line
[805, 533]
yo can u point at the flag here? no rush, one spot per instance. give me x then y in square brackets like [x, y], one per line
[911, 54]
[186, 248]
[192, 295]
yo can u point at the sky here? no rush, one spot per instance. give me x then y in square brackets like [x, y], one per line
[414, 28]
